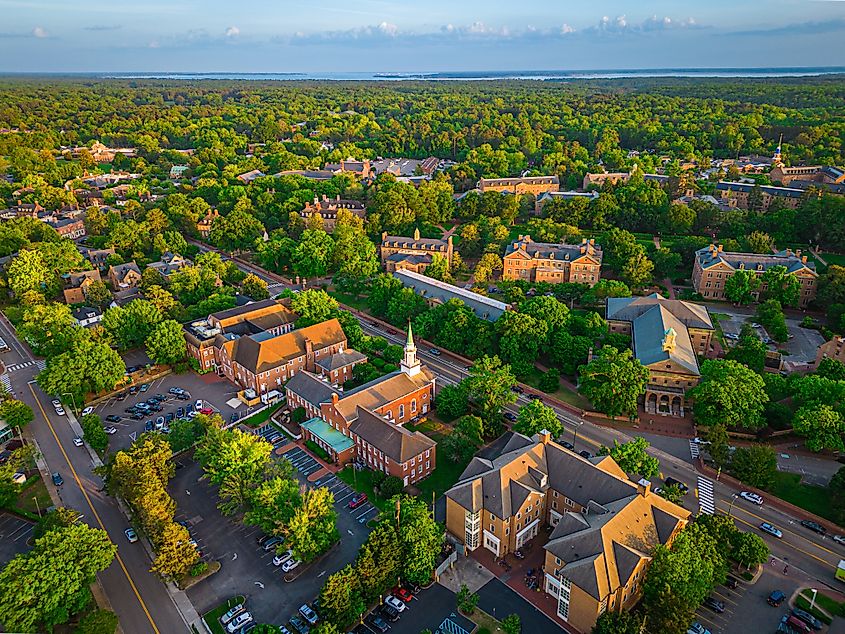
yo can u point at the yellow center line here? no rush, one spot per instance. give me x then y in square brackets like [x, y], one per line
[93, 510]
[799, 535]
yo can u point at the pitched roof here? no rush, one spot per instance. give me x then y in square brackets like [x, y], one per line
[548, 250]
[310, 388]
[259, 354]
[629, 308]
[396, 442]
[264, 314]
[711, 256]
[341, 359]
[381, 391]
[660, 336]
[120, 271]
[430, 288]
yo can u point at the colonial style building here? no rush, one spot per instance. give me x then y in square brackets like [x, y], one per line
[71, 228]
[816, 173]
[361, 169]
[204, 223]
[75, 285]
[833, 349]
[328, 208]
[436, 292]
[97, 257]
[123, 276]
[668, 336]
[526, 185]
[604, 526]
[266, 316]
[400, 252]
[169, 264]
[713, 267]
[366, 423]
[742, 195]
[555, 263]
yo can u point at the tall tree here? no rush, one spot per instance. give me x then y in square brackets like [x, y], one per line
[341, 602]
[749, 350]
[741, 286]
[781, 285]
[313, 528]
[166, 343]
[613, 381]
[88, 367]
[822, 426]
[633, 457]
[273, 504]
[755, 465]
[729, 393]
[489, 389]
[174, 553]
[535, 417]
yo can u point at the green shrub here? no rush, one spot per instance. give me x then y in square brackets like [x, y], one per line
[199, 568]
[390, 487]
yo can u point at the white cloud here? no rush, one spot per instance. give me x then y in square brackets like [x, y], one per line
[153, 44]
[40, 32]
[233, 31]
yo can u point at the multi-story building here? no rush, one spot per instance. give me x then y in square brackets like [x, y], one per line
[555, 263]
[815, 173]
[366, 423]
[75, 285]
[525, 185]
[71, 228]
[204, 223]
[741, 195]
[361, 169]
[400, 252]
[123, 276]
[436, 292]
[97, 257]
[170, 263]
[598, 179]
[269, 315]
[604, 526]
[668, 336]
[833, 349]
[713, 267]
[406, 167]
[328, 208]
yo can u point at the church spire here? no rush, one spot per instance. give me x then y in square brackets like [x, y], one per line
[410, 363]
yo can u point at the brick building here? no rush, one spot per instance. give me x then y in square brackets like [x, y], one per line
[535, 185]
[741, 195]
[328, 208]
[75, 285]
[555, 263]
[70, 228]
[123, 276]
[400, 252]
[204, 224]
[604, 527]
[713, 267]
[668, 336]
[826, 175]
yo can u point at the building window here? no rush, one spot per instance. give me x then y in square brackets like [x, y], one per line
[401, 412]
[492, 528]
[563, 599]
[413, 405]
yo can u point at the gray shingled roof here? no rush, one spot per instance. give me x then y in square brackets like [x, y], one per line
[563, 252]
[394, 441]
[710, 256]
[310, 388]
[629, 308]
[429, 288]
[651, 330]
[340, 360]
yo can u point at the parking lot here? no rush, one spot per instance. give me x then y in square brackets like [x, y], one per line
[801, 347]
[247, 568]
[213, 391]
[14, 533]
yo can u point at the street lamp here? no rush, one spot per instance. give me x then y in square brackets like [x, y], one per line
[574, 436]
[733, 499]
[813, 602]
[38, 508]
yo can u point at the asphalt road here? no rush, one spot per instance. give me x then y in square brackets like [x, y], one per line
[139, 599]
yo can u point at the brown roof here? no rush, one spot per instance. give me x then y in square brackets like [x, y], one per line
[258, 354]
[396, 442]
[381, 391]
[265, 314]
[75, 280]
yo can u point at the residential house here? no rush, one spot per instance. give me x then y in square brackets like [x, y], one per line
[667, 336]
[337, 368]
[535, 185]
[361, 169]
[328, 208]
[713, 267]
[123, 276]
[400, 252]
[97, 257]
[204, 224]
[71, 228]
[555, 263]
[75, 285]
[604, 527]
[177, 171]
[815, 173]
[436, 292]
[87, 316]
[169, 264]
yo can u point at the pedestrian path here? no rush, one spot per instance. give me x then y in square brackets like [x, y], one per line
[39, 363]
[706, 503]
[693, 449]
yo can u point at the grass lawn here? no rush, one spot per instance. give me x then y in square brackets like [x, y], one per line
[717, 317]
[484, 621]
[362, 481]
[212, 617]
[823, 601]
[34, 488]
[262, 417]
[832, 258]
[562, 393]
[811, 498]
[359, 303]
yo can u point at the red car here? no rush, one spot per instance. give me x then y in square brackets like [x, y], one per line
[357, 500]
[403, 594]
[207, 411]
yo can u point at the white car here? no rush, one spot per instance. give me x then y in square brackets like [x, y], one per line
[278, 560]
[700, 441]
[87, 410]
[111, 429]
[60, 410]
[393, 602]
[19, 478]
[131, 535]
[77, 441]
[238, 622]
[232, 613]
[697, 628]
[752, 497]
[839, 539]
[290, 564]
[198, 405]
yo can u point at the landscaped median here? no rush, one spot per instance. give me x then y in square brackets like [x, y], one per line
[824, 607]
[212, 617]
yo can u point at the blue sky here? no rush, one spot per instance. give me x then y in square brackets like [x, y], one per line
[415, 35]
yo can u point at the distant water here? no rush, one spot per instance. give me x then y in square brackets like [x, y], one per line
[539, 75]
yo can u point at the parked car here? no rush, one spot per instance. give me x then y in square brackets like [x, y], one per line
[683, 487]
[517, 389]
[403, 593]
[121, 396]
[697, 628]
[232, 613]
[776, 598]
[131, 535]
[111, 429]
[57, 479]
[839, 539]
[754, 324]
[389, 613]
[752, 497]
[233, 417]
[509, 416]
[149, 425]
[19, 478]
[137, 416]
[299, 624]
[714, 604]
[238, 622]
[770, 529]
[180, 412]
[731, 582]
[60, 410]
[394, 602]
[585, 454]
[207, 411]
[87, 410]
[731, 335]
[796, 625]
[77, 441]
[376, 623]
[278, 560]
[175, 390]
[271, 543]
[308, 614]
[145, 387]
[168, 418]
[198, 404]
[357, 500]
[813, 526]
[133, 390]
[808, 618]
[112, 418]
[290, 564]
[568, 445]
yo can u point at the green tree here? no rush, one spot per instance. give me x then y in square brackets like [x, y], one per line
[755, 465]
[254, 287]
[129, 326]
[341, 602]
[184, 432]
[729, 393]
[569, 351]
[781, 286]
[312, 530]
[617, 622]
[548, 310]
[466, 600]
[759, 242]
[749, 350]
[49, 328]
[47, 585]
[93, 432]
[719, 447]
[770, 314]
[174, 553]
[535, 417]
[312, 256]
[511, 624]
[749, 549]
[59, 517]
[88, 367]
[166, 343]
[29, 272]
[161, 299]
[672, 493]
[273, 504]
[666, 263]
[452, 401]
[488, 263]
[836, 487]
[98, 295]
[604, 288]
[238, 230]
[613, 381]
[741, 286]
[550, 381]
[822, 426]
[313, 307]
[379, 561]
[637, 270]
[439, 268]
[489, 390]
[520, 338]
[633, 457]
[97, 622]
[17, 414]
[421, 539]
[830, 368]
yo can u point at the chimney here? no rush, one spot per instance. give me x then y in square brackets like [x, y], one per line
[720, 248]
[449, 241]
[417, 233]
[804, 259]
[643, 487]
[335, 398]
[309, 347]
[383, 236]
[545, 436]
[797, 253]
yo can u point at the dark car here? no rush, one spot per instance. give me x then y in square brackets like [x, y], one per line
[714, 604]
[131, 410]
[509, 416]
[233, 417]
[568, 445]
[57, 479]
[299, 624]
[376, 623]
[813, 526]
[180, 412]
[361, 629]
[389, 612]
[683, 487]
[112, 418]
[808, 618]
[517, 389]
[169, 417]
[776, 598]
[121, 396]
[535, 397]
[731, 582]
[161, 397]
[133, 389]
[796, 625]
[137, 416]
[585, 454]
[148, 426]
[184, 396]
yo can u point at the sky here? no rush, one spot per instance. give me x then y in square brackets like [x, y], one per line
[416, 36]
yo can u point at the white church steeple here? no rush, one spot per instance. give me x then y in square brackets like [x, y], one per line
[410, 365]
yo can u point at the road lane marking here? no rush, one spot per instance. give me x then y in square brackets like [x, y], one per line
[94, 511]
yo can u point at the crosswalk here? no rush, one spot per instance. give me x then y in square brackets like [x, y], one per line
[706, 503]
[6, 381]
[693, 449]
[39, 363]
[275, 288]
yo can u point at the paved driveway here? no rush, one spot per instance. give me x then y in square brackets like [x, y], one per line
[14, 533]
[499, 600]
